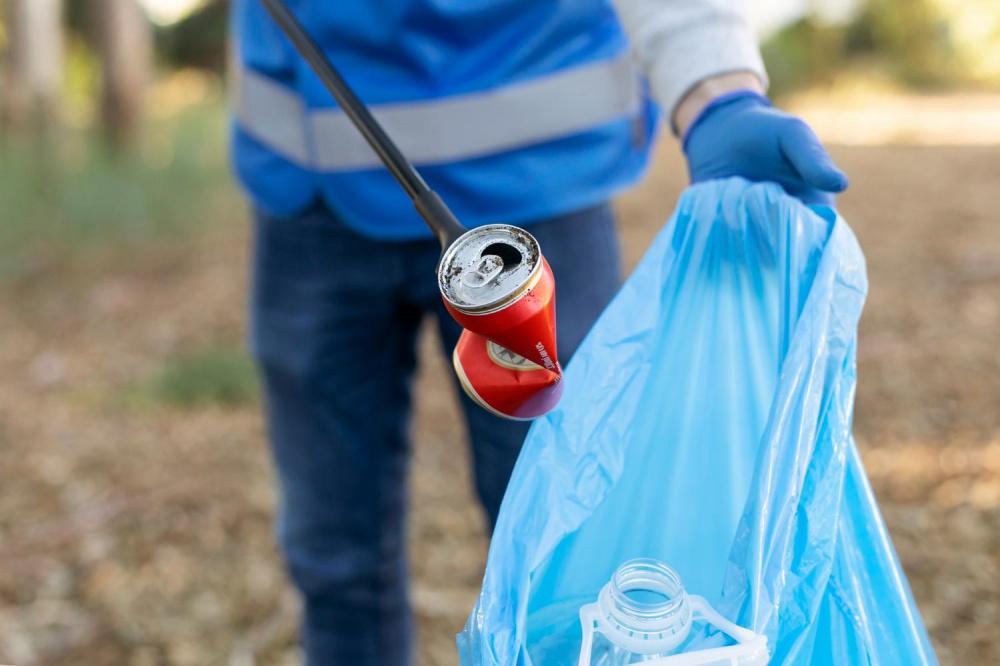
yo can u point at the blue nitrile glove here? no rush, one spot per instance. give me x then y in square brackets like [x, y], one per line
[741, 134]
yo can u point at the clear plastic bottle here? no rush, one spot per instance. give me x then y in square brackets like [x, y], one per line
[644, 615]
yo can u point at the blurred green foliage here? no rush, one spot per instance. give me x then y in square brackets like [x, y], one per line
[912, 36]
[800, 54]
[198, 40]
[916, 43]
[214, 376]
[64, 192]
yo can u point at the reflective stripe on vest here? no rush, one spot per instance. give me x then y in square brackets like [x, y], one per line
[446, 129]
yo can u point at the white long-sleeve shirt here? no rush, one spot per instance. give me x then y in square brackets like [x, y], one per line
[682, 42]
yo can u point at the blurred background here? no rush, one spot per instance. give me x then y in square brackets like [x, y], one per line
[135, 490]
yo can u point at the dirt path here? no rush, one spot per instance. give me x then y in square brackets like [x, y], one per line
[141, 534]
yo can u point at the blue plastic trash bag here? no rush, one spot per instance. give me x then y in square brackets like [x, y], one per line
[706, 423]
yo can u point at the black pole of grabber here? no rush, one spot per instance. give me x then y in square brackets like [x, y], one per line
[430, 206]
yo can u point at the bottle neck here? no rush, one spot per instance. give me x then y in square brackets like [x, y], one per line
[645, 608]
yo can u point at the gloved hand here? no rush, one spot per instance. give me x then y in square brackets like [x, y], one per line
[741, 134]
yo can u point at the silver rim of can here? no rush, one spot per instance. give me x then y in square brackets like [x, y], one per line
[444, 284]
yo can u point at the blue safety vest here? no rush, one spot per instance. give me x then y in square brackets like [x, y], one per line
[513, 110]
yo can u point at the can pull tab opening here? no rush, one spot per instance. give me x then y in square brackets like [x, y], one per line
[493, 260]
[509, 255]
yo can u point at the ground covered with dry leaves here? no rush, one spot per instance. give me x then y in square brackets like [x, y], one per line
[136, 528]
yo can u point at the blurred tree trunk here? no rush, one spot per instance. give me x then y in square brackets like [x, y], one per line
[34, 63]
[125, 45]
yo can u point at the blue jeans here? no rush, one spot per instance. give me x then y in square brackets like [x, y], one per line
[333, 327]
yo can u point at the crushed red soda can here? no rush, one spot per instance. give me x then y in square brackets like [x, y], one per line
[496, 283]
[502, 381]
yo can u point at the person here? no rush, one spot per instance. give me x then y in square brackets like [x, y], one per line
[529, 112]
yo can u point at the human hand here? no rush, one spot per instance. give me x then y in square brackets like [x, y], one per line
[739, 133]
